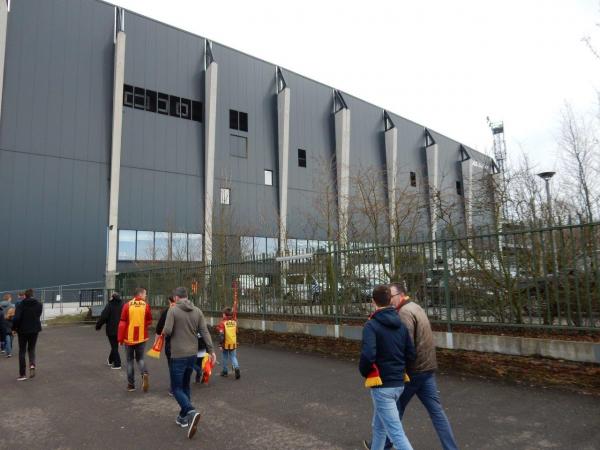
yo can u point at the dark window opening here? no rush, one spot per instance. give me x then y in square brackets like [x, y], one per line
[301, 158]
[150, 101]
[163, 103]
[186, 108]
[175, 106]
[197, 111]
[139, 98]
[459, 189]
[127, 95]
[413, 179]
[233, 119]
[243, 121]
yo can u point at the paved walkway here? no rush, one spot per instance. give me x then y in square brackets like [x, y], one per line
[284, 400]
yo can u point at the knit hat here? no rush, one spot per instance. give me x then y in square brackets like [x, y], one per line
[373, 379]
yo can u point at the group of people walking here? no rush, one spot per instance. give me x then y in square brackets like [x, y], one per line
[398, 362]
[187, 339]
[22, 320]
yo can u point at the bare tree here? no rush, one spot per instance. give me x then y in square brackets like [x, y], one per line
[580, 159]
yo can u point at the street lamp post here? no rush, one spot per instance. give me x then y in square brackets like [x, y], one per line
[546, 176]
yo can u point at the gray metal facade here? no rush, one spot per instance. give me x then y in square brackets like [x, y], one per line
[55, 142]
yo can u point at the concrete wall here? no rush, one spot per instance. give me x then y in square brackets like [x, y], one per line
[508, 345]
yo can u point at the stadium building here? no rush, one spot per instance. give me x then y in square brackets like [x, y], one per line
[125, 141]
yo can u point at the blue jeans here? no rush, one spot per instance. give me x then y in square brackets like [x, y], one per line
[181, 372]
[8, 343]
[425, 387]
[230, 354]
[136, 352]
[386, 419]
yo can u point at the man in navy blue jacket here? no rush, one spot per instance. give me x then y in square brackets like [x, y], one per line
[386, 348]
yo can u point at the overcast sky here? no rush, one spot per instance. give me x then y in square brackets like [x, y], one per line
[446, 65]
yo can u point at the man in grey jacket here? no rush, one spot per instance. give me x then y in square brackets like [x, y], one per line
[183, 323]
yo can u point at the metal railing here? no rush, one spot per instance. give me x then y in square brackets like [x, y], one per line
[543, 277]
[65, 299]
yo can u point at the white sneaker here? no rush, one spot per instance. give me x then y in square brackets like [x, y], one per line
[21, 378]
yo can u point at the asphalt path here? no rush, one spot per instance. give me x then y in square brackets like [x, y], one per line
[284, 400]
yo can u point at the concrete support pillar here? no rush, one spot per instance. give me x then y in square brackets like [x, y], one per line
[391, 163]
[283, 133]
[3, 28]
[115, 160]
[497, 194]
[210, 99]
[467, 184]
[431, 153]
[342, 156]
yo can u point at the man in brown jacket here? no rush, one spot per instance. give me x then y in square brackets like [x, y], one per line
[422, 370]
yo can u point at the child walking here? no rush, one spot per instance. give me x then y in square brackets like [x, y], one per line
[227, 329]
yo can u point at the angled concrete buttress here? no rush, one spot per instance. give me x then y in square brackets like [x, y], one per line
[3, 26]
[210, 98]
[283, 133]
[391, 164]
[115, 158]
[342, 156]
[431, 152]
[467, 183]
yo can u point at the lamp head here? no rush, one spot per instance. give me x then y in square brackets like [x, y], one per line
[546, 175]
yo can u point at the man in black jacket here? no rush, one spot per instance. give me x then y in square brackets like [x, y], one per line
[111, 314]
[27, 325]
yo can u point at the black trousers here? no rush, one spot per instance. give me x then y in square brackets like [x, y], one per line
[114, 358]
[26, 344]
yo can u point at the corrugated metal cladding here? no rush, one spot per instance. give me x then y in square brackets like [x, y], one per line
[55, 140]
[162, 178]
[246, 85]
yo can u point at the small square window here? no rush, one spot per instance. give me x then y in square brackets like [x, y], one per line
[238, 146]
[225, 196]
[233, 119]
[150, 101]
[197, 111]
[243, 121]
[413, 179]
[268, 177]
[163, 103]
[186, 108]
[301, 158]
[459, 189]
[174, 106]
[128, 95]
[139, 99]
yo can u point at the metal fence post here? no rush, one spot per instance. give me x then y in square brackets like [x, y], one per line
[446, 283]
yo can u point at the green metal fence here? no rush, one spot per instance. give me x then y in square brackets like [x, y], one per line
[543, 277]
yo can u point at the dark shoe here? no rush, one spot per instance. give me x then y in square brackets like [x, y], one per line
[130, 388]
[182, 422]
[31, 371]
[145, 382]
[193, 424]
[237, 374]
[224, 374]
